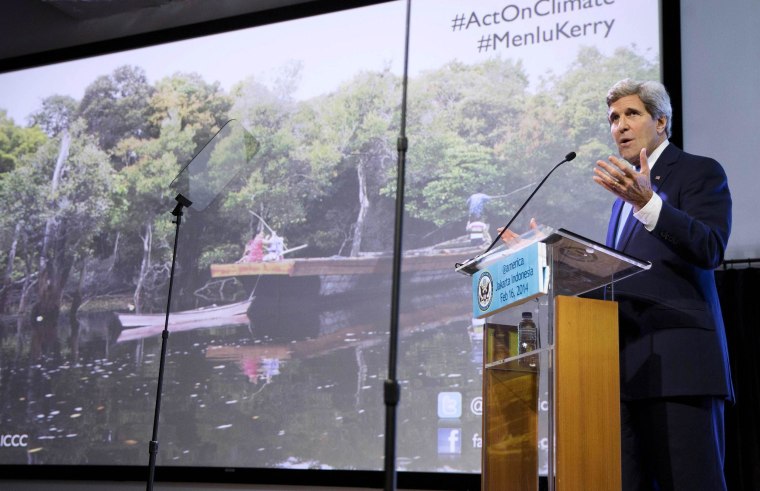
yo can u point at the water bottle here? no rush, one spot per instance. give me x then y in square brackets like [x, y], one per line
[526, 333]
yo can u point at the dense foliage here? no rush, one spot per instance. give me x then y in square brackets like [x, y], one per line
[85, 195]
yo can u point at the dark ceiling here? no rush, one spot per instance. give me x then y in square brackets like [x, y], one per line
[31, 27]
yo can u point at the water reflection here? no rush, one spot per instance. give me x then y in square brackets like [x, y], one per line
[294, 388]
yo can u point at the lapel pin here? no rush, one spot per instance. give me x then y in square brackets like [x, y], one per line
[656, 178]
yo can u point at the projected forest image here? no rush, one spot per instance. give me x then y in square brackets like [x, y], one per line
[278, 349]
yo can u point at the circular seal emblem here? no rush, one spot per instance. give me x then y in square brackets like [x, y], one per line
[485, 290]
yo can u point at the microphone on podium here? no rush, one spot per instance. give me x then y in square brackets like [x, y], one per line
[468, 267]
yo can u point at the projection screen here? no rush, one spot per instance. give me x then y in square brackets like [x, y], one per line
[281, 304]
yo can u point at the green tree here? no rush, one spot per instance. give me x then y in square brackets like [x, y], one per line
[464, 120]
[72, 201]
[182, 113]
[144, 200]
[117, 106]
[21, 191]
[479, 128]
[190, 102]
[350, 142]
[16, 141]
[278, 183]
[56, 114]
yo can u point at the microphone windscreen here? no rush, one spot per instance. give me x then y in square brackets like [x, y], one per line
[570, 156]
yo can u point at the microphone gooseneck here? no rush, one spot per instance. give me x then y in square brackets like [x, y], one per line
[570, 156]
[467, 266]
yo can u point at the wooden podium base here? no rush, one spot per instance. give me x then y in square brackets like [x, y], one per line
[587, 382]
[587, 403]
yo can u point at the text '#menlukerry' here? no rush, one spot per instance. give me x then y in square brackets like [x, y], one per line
[558, 32]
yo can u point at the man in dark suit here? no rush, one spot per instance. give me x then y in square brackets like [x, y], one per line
[673, 209]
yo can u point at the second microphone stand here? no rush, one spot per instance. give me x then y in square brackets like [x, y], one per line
[182, 202]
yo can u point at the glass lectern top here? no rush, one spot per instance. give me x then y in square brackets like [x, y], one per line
[578, 264]
[581, 265]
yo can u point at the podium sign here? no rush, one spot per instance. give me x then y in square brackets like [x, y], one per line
[510, 280]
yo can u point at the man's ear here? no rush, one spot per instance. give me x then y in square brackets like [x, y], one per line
[662, 123]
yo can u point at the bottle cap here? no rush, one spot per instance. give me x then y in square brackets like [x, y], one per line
[527, 315]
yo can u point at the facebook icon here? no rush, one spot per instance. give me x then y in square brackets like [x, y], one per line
[449, 441]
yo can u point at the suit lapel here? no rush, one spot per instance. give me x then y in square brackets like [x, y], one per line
[664, 165]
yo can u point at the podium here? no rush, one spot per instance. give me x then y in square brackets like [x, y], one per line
[551, 409]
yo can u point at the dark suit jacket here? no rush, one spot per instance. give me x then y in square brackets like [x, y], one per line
[672, 338]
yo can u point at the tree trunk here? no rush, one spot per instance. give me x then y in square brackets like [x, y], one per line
[8, 276]
[115, 254]
[26, 287]
[22, 321]
[363, 209]
[147, 240]
[55, 265]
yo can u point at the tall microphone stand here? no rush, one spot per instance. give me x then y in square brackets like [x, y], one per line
[182, 202]
[391, 389]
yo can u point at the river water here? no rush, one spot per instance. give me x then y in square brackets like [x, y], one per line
[276, 393]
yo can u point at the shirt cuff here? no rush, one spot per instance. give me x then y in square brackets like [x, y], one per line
[650, 213]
